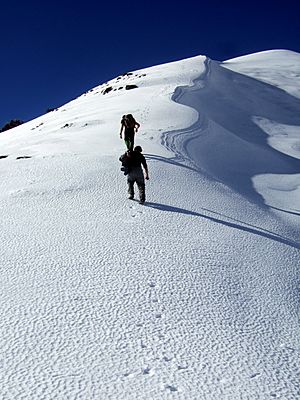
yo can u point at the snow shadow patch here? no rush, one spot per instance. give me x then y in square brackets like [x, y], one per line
[225, 141]
[232, 99]
[286, 211]
[232, 224]
[176, 161]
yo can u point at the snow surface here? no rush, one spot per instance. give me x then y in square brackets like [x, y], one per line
[194, 295]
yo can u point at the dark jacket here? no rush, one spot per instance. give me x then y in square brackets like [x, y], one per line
[132, 160]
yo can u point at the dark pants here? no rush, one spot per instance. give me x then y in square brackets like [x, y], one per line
[129, 141]
[136, 176]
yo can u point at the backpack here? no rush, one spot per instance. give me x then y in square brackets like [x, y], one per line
[128, 121]
[125, 160]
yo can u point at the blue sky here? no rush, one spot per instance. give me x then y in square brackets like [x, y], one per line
[52, 52]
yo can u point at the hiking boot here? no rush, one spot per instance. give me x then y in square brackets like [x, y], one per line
[130, 197]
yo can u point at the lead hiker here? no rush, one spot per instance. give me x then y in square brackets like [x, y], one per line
[132, 162]
[130, 127]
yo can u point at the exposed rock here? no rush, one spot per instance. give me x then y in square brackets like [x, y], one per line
[129, 87]
[107, 90]
[12, 124]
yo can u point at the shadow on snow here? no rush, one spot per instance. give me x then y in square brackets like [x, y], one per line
[227, 143]
[234, 224]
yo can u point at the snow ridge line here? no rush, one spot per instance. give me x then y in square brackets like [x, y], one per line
[176, 141]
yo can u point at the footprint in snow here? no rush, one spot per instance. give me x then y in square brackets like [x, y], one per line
[147, 371]
[128, 375]
[171, 388]
[137, 213]
[254, 375]
[181, 367]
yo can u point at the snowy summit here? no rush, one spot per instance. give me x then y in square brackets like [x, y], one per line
[194, 295]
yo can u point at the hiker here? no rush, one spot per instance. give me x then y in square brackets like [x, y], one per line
[130, 127]
[132, 162]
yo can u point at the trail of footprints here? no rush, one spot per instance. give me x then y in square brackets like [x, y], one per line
[135, 212]
[147, 370]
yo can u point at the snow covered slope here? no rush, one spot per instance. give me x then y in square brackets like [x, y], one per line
[194, 295]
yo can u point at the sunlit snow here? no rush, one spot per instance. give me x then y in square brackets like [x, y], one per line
[194, 295]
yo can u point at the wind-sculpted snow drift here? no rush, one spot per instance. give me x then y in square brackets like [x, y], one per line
[194, 295]
[226, 141]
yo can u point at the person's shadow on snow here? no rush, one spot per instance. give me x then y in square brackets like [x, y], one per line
[236, 224]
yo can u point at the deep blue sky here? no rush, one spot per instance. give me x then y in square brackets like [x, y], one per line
[52, 52]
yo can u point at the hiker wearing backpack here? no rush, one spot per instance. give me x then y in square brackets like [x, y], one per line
[130, 127]
[132, 162]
